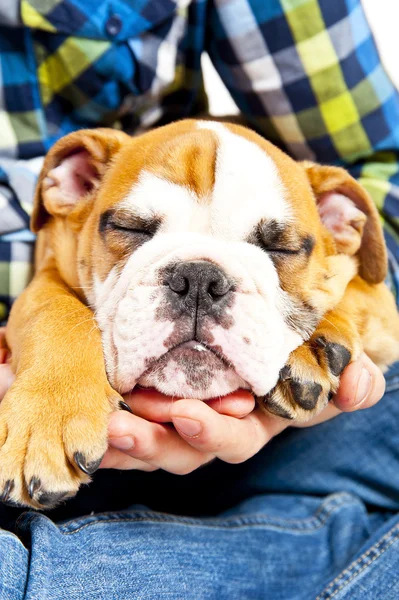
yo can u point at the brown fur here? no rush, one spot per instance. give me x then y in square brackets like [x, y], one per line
[61, 400]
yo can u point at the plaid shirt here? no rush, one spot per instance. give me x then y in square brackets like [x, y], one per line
[305, 73]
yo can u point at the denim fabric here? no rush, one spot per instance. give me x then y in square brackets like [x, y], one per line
[314, 515]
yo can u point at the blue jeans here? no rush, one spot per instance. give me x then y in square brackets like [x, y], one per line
[314, 515]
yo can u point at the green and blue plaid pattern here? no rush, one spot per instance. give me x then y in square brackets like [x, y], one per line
[305, 73]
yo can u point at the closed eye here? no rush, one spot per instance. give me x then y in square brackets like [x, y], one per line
[275, 239]
[131, 230]
[258, 239]
[281, 250]
[118, 221]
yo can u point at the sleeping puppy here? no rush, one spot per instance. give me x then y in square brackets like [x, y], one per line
[196, 259]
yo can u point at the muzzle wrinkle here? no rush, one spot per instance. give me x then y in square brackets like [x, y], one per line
[179, 289]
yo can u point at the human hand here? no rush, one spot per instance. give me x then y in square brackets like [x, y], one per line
[181, 435]
[230, 428]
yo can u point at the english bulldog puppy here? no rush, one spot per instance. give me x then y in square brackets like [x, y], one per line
[195, 259]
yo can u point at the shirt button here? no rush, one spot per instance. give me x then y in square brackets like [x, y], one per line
[113, 25]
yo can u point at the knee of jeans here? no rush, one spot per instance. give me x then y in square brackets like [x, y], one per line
[14, 564]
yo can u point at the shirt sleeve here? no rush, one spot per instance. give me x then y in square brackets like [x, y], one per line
[67, 65]
[308, 76]
[18, 180]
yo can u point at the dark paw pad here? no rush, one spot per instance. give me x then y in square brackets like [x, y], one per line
[275, 408]
[84, 465]
[306, 393]
[303, 393]
[337, 355]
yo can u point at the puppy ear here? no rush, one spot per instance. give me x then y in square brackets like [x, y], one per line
[350, 215]
[72, 170]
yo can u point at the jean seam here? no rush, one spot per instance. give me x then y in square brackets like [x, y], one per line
[312, 523]
[388, 539]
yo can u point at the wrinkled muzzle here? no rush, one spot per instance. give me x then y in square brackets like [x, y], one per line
[195, 320]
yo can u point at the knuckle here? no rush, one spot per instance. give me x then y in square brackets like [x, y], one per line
[210, 443]
[184, 469]
[149, 448]
[238, 458]
[149, 468]
[145, 451]
[193, 465]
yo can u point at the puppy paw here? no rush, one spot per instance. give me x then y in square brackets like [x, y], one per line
[50, 444]
[310, 378]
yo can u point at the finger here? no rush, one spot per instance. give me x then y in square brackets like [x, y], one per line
[149, 404]
[156, 444]
[362, 385]
[115, 459]
[230, 439]
[238, 404]
[351, 394]
[6, 379]
[154, 406]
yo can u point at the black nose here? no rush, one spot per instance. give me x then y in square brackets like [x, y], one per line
[198, 283]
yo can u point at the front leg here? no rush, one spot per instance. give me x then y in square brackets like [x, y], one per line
[312, 373]
[53, 420]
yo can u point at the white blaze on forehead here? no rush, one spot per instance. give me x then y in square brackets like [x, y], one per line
[247, 189]
[130, 304]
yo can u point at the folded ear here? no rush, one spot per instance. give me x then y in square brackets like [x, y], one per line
[349, 213]
[72, 171]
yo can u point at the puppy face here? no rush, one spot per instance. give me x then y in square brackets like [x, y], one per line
[201, 251]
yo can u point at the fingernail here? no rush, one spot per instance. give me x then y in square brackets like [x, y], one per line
[188, 427]
[122, 443]
[363, 386]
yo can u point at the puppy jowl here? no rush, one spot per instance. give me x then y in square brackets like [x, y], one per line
[196, 259]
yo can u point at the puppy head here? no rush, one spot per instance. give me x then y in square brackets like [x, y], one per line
[207, 254]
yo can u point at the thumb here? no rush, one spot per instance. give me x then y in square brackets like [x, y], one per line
[362, 385]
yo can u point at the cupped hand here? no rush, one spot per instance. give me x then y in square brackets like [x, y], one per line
[231, 429]
[180, 435]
